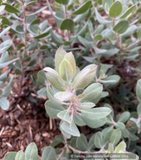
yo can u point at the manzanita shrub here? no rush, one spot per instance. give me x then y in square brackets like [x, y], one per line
[74, 92]
[72, 99]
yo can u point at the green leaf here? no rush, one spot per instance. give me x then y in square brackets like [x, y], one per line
[63, 96]
[81, 17]
[93, 91]
[115, 137]
[44, 34]
[139, 109]
[59, 56]
[19, 156]
[56, 39]
[121, 147]
[65, 116]
[139, 33]
[10, 156]
[98, 140]
[5, 45]
[113, 79]
[55, 79]
[96, 113]
[86, 105]
[106, 5]
[58, 18]
[35, 21]
[115, 9]
[69, 56]
[4, 75]
[70, 128]
[41, 78]
[84, 77]
[64, 2]
[67, 24]
[83, 8]
[42, 92]
[100, 19]
[94, 123]
[81, 143]
[128, 11]
[129, 31]
[7, 90]
[4, 103]
[66, 71]
[138, 89]
[51, 97]
[107, 134]
[53, 109]
[2, 8]
[30, 3]
[48, 154]
[98, 37]
[10, 8]
[120, 125]
[110, 52]
[124, 117]
[40, 10]
[4, 31]
[31, 152]
[121, 27]
[78, 120]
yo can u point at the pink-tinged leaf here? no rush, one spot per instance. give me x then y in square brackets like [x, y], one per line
[86, 105]
[66, 70]
[55, 79]
[69, 56]
[76, 101]
[84, 77]
[63, 96]
[81, 96]
[59, 56]
[121, 147]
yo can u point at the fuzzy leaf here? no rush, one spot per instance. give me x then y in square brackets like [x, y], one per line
[69, 56]
[128, 11]
[84, 77]
[19, 155]
[138, 90]
[96, 113]
[121, 147]
[66, 71]
[53, 109]
[121, 27]
[59, 56]
[65, 116]
[64, 2]
[10, 8]
[4, 103]
[67, 24]
[48, 154]
[70, 129]
[83, 8]
[31, 152]
[63, 96]
[54, 78]
[115, 9]
[81, 143]
[115, 137]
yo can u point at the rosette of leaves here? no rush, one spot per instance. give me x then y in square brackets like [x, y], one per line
[64, 101]
[5, 87]
[31, 152]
